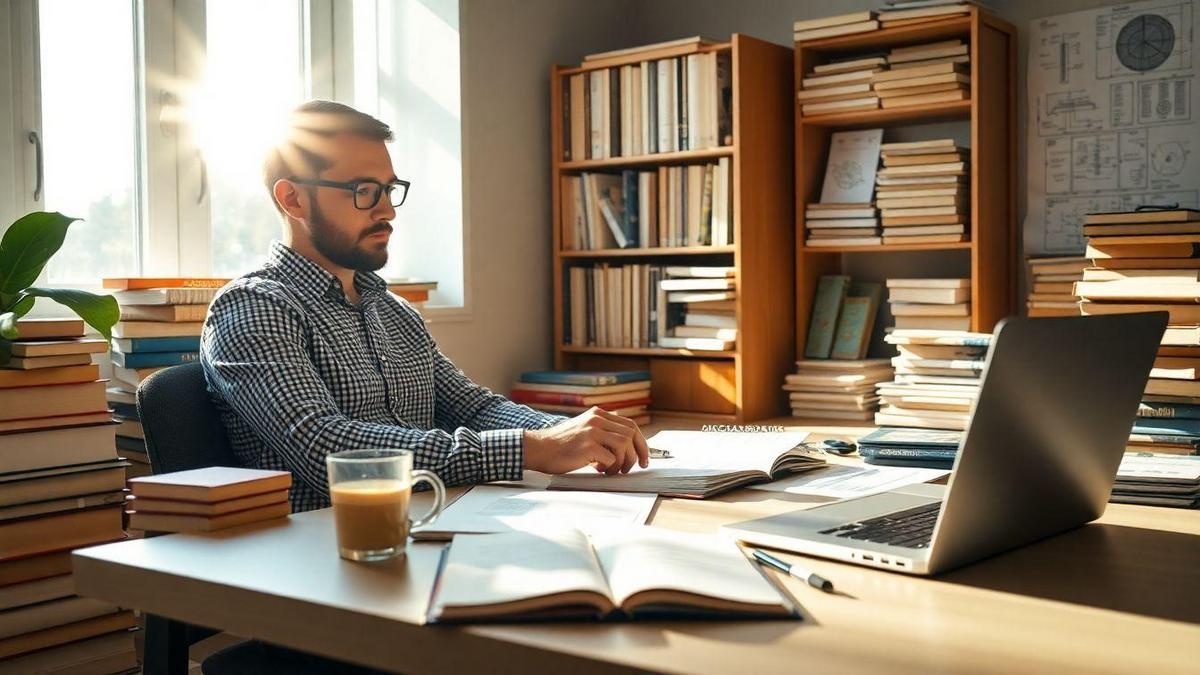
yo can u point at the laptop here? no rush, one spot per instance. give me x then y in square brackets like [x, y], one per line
[1039, 455]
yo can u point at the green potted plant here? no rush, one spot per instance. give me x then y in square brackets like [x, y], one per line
[27, 246]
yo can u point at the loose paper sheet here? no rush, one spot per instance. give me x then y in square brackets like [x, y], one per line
[1113, 121]
[842, 481]
[491, 509]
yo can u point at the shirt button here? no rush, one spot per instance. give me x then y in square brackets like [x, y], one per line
[383, 358]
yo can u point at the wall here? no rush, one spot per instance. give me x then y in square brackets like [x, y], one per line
[507, 49]
[508, 46]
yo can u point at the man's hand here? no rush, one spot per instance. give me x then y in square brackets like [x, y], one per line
[609, 442]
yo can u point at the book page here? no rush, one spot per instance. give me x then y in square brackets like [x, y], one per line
[694, 454]
[844, 482]
[651, 558]
[490, 508]
[490, 569]
[850, 172]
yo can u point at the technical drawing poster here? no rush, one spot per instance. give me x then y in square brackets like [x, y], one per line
[1113, 121]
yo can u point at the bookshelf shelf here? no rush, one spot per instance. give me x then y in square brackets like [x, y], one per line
[624, 351]
[887, 248]
[650, 252]
[740, 385]
[990, 117]
[917, 114]
[661, 158]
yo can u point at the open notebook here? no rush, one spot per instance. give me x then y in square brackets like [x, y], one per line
[703, 464]
[629, 573]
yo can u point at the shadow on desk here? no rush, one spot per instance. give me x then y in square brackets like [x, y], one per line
[1124, 569]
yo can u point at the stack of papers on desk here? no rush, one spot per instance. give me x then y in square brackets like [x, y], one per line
[703, 464]
[844, 481]
[1158, 480]
[490, 509]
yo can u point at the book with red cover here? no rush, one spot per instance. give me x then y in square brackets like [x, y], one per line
[142, 283]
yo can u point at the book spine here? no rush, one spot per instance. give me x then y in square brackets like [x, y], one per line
[595, 116]
[831, 292]
[153, 359]
[681, 104]
[1176, 427]
[580, 379]
[724, 99]
[1149, 410]
[565, 135]
[566, 306]
[906, 453]
[630, 216]
[614, 112]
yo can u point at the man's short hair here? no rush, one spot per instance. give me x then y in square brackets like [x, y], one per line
[297, 152]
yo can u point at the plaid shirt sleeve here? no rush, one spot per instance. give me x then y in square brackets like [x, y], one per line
[256, 360]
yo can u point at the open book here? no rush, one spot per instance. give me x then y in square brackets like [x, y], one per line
[703, 463]
[621, 574]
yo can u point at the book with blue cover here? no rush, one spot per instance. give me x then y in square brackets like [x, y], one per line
[153, 359]
[892, 446]
[585, 378]
[1166, 427]
[188, 343]
[1160, 410]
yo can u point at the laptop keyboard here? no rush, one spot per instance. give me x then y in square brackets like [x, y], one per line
[909, 529]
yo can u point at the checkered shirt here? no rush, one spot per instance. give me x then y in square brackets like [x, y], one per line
[297, 372]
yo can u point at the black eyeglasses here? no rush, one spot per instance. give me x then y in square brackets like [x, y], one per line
[366, 192]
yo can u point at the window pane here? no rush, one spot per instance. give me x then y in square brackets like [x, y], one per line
[245, 98]
[89, 130]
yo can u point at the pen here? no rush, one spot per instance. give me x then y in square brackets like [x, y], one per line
[655, 453]
[812, 578]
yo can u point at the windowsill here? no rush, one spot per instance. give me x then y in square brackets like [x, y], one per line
[447, 314]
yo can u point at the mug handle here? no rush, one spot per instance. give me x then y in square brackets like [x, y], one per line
[439, 495]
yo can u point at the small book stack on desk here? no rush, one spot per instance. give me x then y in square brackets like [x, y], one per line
[836, 389]
[1149, 260]
[1158, 480]
[937, 379]
[204, 500]
[160, 327]
[415, 291]
[930, 304]
[921, 192]
[570, 393]
[61, 487]
[1052, 286]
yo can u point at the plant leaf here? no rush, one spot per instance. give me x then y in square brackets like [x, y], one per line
[99, 311]
[25, 249]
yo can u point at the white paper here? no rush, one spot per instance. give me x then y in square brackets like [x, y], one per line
[1113, 121]
[491, 509]
[841, 481]
[1166, 467]
[850, 171]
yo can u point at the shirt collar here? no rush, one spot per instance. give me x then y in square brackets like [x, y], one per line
[315, 281]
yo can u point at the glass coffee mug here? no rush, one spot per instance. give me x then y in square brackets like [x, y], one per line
[371, 491]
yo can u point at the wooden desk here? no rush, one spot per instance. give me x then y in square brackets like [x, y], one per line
[1120, 595]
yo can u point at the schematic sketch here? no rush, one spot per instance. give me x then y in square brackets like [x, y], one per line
[1111, 95]
[1130, 41]
[849, 174]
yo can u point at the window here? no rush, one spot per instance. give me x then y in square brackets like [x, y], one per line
[87, 54]
[153, 117]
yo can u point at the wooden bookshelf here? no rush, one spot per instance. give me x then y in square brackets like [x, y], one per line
[989, 259]
[738, 385]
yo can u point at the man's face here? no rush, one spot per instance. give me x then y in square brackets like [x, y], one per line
[347, 236]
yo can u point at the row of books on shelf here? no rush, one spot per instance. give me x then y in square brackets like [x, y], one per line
[919, 195]
[671, 206]
[650, 306]
[656, 106]
[570, 393]
[903, 76]
[893, 13]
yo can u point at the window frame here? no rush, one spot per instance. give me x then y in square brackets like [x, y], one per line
[174, 206]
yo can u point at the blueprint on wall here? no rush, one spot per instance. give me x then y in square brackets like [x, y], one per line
[1113, 121]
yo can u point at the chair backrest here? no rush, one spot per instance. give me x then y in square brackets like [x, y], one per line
[182, 426]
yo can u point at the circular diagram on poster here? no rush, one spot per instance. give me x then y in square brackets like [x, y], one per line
[1169, 158]
[1145, 42]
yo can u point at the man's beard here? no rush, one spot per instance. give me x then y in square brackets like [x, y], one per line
[337, 247]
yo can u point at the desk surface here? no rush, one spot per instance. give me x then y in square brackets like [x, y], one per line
[1119, 595]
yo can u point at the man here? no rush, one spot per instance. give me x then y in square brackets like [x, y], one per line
[311, 355]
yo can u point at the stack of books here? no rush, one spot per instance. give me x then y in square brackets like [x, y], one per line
[671, 206]
[61, 487]
[841, 225]
[836, 389]
[921, 192]
[840, 86]
[905, 85]
[897, 446]
[830, 26]
[842, 319]
[160, 326]
[930, 304]
[626, 393]
[1150, 261]
[1052, 286]
[937, 379]
[415, 291]
[204, 500]
[1158, 480]
[618, 109]
[700, 308]
[897, 13]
